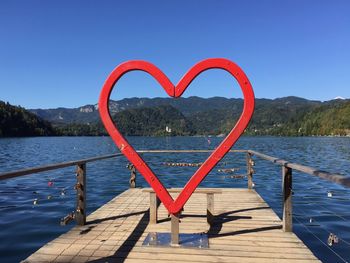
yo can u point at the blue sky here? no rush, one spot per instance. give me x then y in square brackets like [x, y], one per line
[59, 53]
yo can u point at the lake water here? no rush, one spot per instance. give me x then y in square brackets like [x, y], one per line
[26, 226]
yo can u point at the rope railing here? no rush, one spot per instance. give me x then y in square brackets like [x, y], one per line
[39, 169]
[336, 178]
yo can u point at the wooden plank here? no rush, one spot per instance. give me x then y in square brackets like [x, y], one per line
[209, 258]
[213, 252]
[241, 232]
[238, 251]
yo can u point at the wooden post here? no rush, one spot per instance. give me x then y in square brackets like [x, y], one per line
[287, 199]
[153, 207]
[210, 208]
[80, 214]
[132, 180]
[250, 170]
[175, 220]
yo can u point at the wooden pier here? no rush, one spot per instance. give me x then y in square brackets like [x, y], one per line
[245, 229]
[237, 223]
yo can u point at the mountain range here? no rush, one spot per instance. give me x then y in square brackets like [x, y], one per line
[288, 116]
[199, 116]
[89, 113]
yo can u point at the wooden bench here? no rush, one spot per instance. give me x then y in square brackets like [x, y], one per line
[175, 219]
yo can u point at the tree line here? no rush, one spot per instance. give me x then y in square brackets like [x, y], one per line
[332, 118]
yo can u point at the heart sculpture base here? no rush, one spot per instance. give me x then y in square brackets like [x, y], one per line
[185, 240]
[175, 206]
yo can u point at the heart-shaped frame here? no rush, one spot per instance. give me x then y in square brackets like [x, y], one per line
[175, 206]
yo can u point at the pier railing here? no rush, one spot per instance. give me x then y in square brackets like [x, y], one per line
[287, 168]
[80, 186]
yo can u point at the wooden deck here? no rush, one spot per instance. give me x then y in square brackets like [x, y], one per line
[245, 230]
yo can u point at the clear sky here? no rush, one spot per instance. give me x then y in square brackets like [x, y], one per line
[59, 53]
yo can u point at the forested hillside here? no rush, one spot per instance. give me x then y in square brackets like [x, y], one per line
[289, 116]
[330, 119]
[16, 121]
[139, 122]
[292, 117]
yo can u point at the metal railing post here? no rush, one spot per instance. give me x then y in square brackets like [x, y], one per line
[287, 199]
[80, 213]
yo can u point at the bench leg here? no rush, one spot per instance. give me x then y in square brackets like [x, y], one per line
[175, 220]
[153, 207]
[210, 208]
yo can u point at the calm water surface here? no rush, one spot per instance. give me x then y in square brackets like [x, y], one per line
[26, 226]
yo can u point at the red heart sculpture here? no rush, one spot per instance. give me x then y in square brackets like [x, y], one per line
[175, 206]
